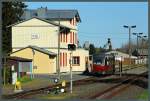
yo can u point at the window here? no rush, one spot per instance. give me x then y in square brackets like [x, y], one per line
[70, 21]
[66, 59]
[76, 38]
[60, 59]
[63, 59]
[60, 37]
[73, 37]
[76, 60]
[75, 21]
[70, 37]
[66, 37]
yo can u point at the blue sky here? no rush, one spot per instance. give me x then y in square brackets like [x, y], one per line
[102, 20]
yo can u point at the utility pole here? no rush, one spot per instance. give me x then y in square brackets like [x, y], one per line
[1, 66]
[129, 27]
[58, 54]
[4, 69]
[33, 52]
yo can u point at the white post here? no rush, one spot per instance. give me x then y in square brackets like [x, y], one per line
[33, 63]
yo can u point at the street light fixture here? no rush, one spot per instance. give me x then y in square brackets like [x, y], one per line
[143, 38]
[129, 27]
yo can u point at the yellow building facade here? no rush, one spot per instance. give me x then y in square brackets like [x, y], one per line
[44, 34]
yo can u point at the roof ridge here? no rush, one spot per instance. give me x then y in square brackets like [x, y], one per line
[53, 10]
[63, 9]
[39, 49]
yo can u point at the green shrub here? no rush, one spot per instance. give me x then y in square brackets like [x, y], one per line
[24, 79]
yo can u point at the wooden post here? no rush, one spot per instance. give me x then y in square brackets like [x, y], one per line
[31, 70]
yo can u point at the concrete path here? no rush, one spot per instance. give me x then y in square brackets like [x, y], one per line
[63, 76]
[43, 81]
[138, 70]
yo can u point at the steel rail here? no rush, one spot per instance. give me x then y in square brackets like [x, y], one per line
[127, 81]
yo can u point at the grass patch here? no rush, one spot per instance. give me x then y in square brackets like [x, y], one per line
[144, 95]
[24, 79]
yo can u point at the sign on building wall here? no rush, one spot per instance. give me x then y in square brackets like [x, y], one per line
[35, 36]
[14, 77]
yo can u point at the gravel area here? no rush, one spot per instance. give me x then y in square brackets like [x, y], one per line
[79, 92]
[87, 90]
[131, 93]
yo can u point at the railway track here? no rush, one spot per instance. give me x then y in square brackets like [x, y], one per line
[116, 89]
[26, 94]
[86, 81]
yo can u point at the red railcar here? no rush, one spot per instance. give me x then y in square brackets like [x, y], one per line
[102, 65]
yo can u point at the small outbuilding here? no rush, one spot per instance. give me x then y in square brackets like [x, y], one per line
[43, 61]
[20, 65]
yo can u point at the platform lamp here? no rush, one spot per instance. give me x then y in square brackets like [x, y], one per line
[129, 27]
[137, 35]
[143, 38]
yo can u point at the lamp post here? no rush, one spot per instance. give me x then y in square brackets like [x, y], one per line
[143, 38]
[137, 35]
[129, 27]
[58, 51]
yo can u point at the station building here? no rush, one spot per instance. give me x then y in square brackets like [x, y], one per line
[36, 38]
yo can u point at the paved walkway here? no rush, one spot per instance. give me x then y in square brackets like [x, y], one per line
[63, 76]
[42, 81]
[137, 70]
